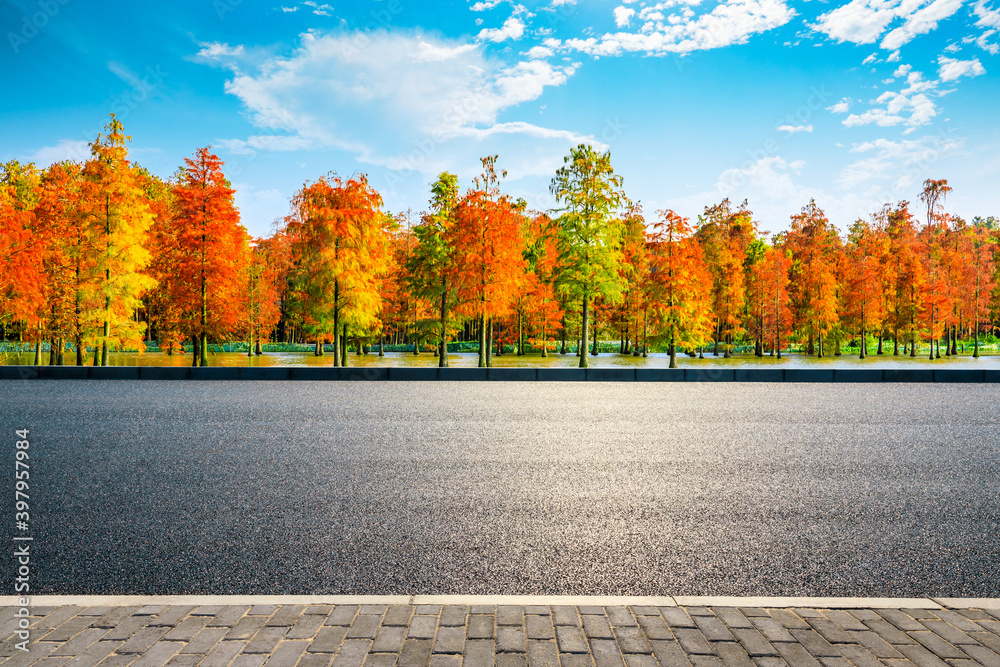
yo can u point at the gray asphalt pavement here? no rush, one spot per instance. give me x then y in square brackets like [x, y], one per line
[507, 488]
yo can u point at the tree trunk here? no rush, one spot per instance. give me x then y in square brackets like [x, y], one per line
[864, 346]
[79, 350]
[195, 350]
[672, 348]
[443, 353]
[520, 335]
[954, 340]
[319, 346]
[489, 346]
[975, 334]
[881, 338]
[584, 325]
[343, 347]
[645, 346]
[594, 352]
[563, 350]
[381, 345]
[61, 355]
[258, 350]
[482, 341]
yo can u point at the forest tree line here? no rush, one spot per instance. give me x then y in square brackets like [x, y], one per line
[104, 255]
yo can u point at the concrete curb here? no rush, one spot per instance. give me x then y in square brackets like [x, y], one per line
[431, 374]
[548, 600]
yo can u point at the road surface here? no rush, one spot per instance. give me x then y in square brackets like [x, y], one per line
[508, 488]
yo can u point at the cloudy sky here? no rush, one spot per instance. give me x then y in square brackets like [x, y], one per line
[853, 103]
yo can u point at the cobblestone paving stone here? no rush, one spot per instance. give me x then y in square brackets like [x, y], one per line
[506, 635]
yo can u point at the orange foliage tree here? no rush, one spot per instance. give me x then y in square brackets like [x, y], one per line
[340, 250]
[212, 252]
[815, 248]
[489, 249]
[680, 284]
[865, 257]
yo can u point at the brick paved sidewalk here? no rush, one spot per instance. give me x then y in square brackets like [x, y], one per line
[453, 635]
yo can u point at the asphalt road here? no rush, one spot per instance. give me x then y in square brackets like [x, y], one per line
[535, 488]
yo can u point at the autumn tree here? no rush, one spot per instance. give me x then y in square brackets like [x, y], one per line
[587, 232]
[979, 273]
[634, 274]
[725, 236]
[935, 298]
[864, 306]
[815, 248]
[340, 249]
[213, 251]
[261, 283]
[488, 243]
[539, 304]
[771, 274]
[69, 257]
[22, 272]
[904, 266]
[118, 221]
[680, 284]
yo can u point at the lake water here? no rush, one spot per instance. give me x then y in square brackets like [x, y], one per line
[604, 360]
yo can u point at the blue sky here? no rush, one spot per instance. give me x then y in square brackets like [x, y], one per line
[853, 103]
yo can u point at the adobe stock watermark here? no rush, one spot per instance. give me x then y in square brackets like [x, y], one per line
[32, 25]
[736, 178]
[22, 537]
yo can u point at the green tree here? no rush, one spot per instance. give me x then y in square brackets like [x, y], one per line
[588, 235]
[430, 265]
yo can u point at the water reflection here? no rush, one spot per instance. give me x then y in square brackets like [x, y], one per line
[467, 360]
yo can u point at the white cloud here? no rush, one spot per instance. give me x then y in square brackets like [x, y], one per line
[483, 6]
[623, 15]
[950, 69]
[218, 50]
[289, 9]
[840, 107]
[859, 21]
[729, 22]
[401, 101]
[513, 28]
[988, 17]
[921, 22]
[911, 111]
[865, 21]
[539, 52]
[793, 129]
[65, 149]
[901, 163]
[983, 42]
